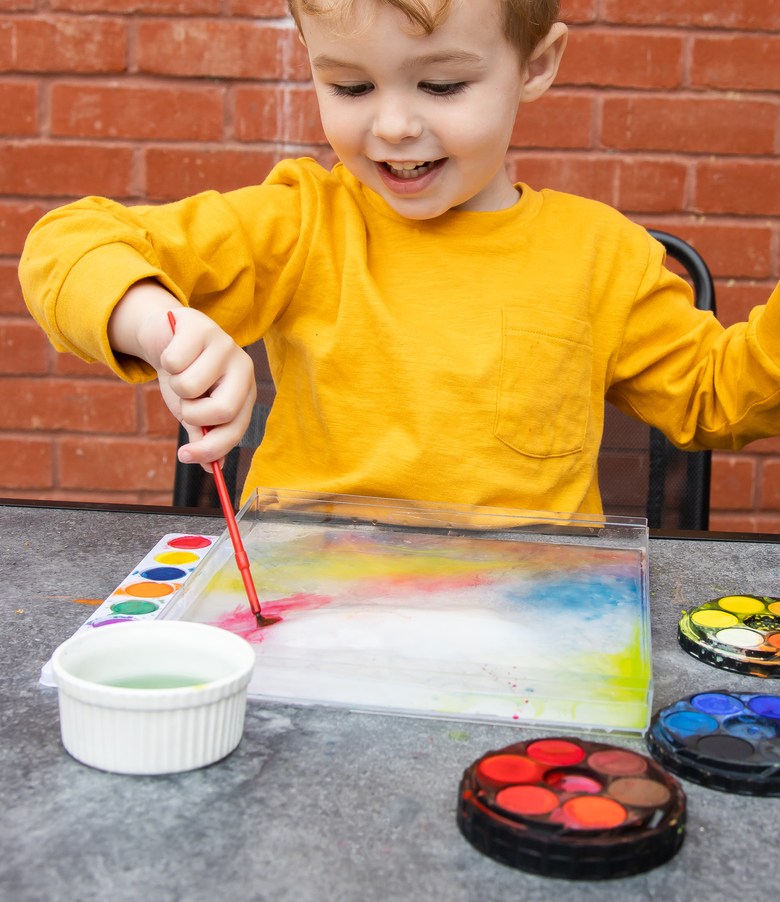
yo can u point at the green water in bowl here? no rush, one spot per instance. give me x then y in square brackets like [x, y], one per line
[156, 681]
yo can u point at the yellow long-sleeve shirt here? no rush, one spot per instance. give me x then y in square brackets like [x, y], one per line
[460, 359]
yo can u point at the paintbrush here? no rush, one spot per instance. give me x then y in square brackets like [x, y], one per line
[235, 536]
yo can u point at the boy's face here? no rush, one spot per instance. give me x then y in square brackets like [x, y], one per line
[390, 98]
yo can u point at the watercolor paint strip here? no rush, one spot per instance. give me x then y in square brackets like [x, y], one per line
[149, 588]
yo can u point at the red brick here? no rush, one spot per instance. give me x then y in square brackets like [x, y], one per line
[16, 220]
[767, 523]
[26, 462]
[260, 8]
[131, 111]
[741, 62]
[733, 482]
[770, 485]
[733, 522]
[221, 48]
[162, 499]
[77, 405]
[117, 464]
[556, 120]
[689, 125]
[735, 300]
[65, 170]
[63, 44]
[164, 7]
[18, 108]
[83, 496]
[157, 418]
[764, 446]
[578, 10]
[759, 15]
[266, 113]
[16, 5]
[736, 251]
[587, 176]
[173, 173]
[11, 299]
[22, 349]
[733, 186]
[651, 186]
[623, 60]
[64, 364]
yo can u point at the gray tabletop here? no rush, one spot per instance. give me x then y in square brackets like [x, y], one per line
[315, 804]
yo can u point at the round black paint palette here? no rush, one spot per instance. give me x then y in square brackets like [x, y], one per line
[738, 632]
[569, 808]
[722, 740]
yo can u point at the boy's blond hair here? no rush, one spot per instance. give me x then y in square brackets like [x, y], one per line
[526, 22]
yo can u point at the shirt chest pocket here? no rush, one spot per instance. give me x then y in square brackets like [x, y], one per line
[544, 384]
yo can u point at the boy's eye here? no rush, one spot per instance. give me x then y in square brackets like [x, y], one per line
[443, 89]
[352, 90]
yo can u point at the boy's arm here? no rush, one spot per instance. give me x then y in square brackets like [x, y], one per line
[678, 369]
[100, 278]
[205, 378]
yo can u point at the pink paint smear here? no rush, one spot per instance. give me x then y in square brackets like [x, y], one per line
[242, 622]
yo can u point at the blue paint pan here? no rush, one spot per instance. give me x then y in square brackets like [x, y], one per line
[722, 740]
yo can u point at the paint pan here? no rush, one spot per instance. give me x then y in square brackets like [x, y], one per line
[722, 740]
[738, 632]
[570, 808]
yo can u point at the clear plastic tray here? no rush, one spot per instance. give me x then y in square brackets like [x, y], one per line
[413, 608]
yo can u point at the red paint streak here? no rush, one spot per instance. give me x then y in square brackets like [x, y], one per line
[242, 621]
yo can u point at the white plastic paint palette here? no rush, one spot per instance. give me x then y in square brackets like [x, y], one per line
[739, 633]
[146, 592]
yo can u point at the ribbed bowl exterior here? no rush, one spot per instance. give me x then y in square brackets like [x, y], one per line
[151, 742]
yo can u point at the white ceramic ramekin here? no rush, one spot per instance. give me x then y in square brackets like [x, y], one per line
[152, 731]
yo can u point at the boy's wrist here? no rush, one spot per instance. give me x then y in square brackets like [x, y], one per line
[138, 325]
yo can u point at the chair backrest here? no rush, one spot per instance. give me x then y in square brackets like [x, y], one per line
[641, 473]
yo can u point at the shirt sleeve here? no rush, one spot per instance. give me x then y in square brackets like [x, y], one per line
[678, 369]
[236, 257]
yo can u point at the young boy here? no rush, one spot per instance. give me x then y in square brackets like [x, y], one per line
[434, 332]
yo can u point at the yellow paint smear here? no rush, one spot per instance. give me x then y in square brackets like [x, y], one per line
[741, 604]
[714, 619]
[177, 557]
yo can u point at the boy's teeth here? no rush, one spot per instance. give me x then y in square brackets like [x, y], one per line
[409, 170]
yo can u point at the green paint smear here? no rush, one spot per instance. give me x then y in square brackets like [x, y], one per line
[133, 607]
[156, 681]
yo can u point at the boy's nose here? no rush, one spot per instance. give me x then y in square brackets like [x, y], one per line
[394, 121]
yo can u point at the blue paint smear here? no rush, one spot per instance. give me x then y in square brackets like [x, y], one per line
[766, 706]
[163, 573]
[750, 727]
[589, 598]
[689, 723]
[717, 703]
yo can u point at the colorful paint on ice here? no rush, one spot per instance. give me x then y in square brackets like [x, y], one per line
[449, 625]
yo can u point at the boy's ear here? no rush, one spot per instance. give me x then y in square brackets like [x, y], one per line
[542, 67]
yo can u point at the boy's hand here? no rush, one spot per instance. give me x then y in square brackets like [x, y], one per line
[205, 378]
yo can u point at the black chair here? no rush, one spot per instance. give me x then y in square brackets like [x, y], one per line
[641, 473]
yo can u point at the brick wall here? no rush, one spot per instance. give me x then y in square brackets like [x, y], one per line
[667, 109]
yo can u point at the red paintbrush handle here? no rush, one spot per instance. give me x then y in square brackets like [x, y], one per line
[227, 508]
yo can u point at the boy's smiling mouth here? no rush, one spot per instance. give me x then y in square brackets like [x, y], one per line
[408, 177]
